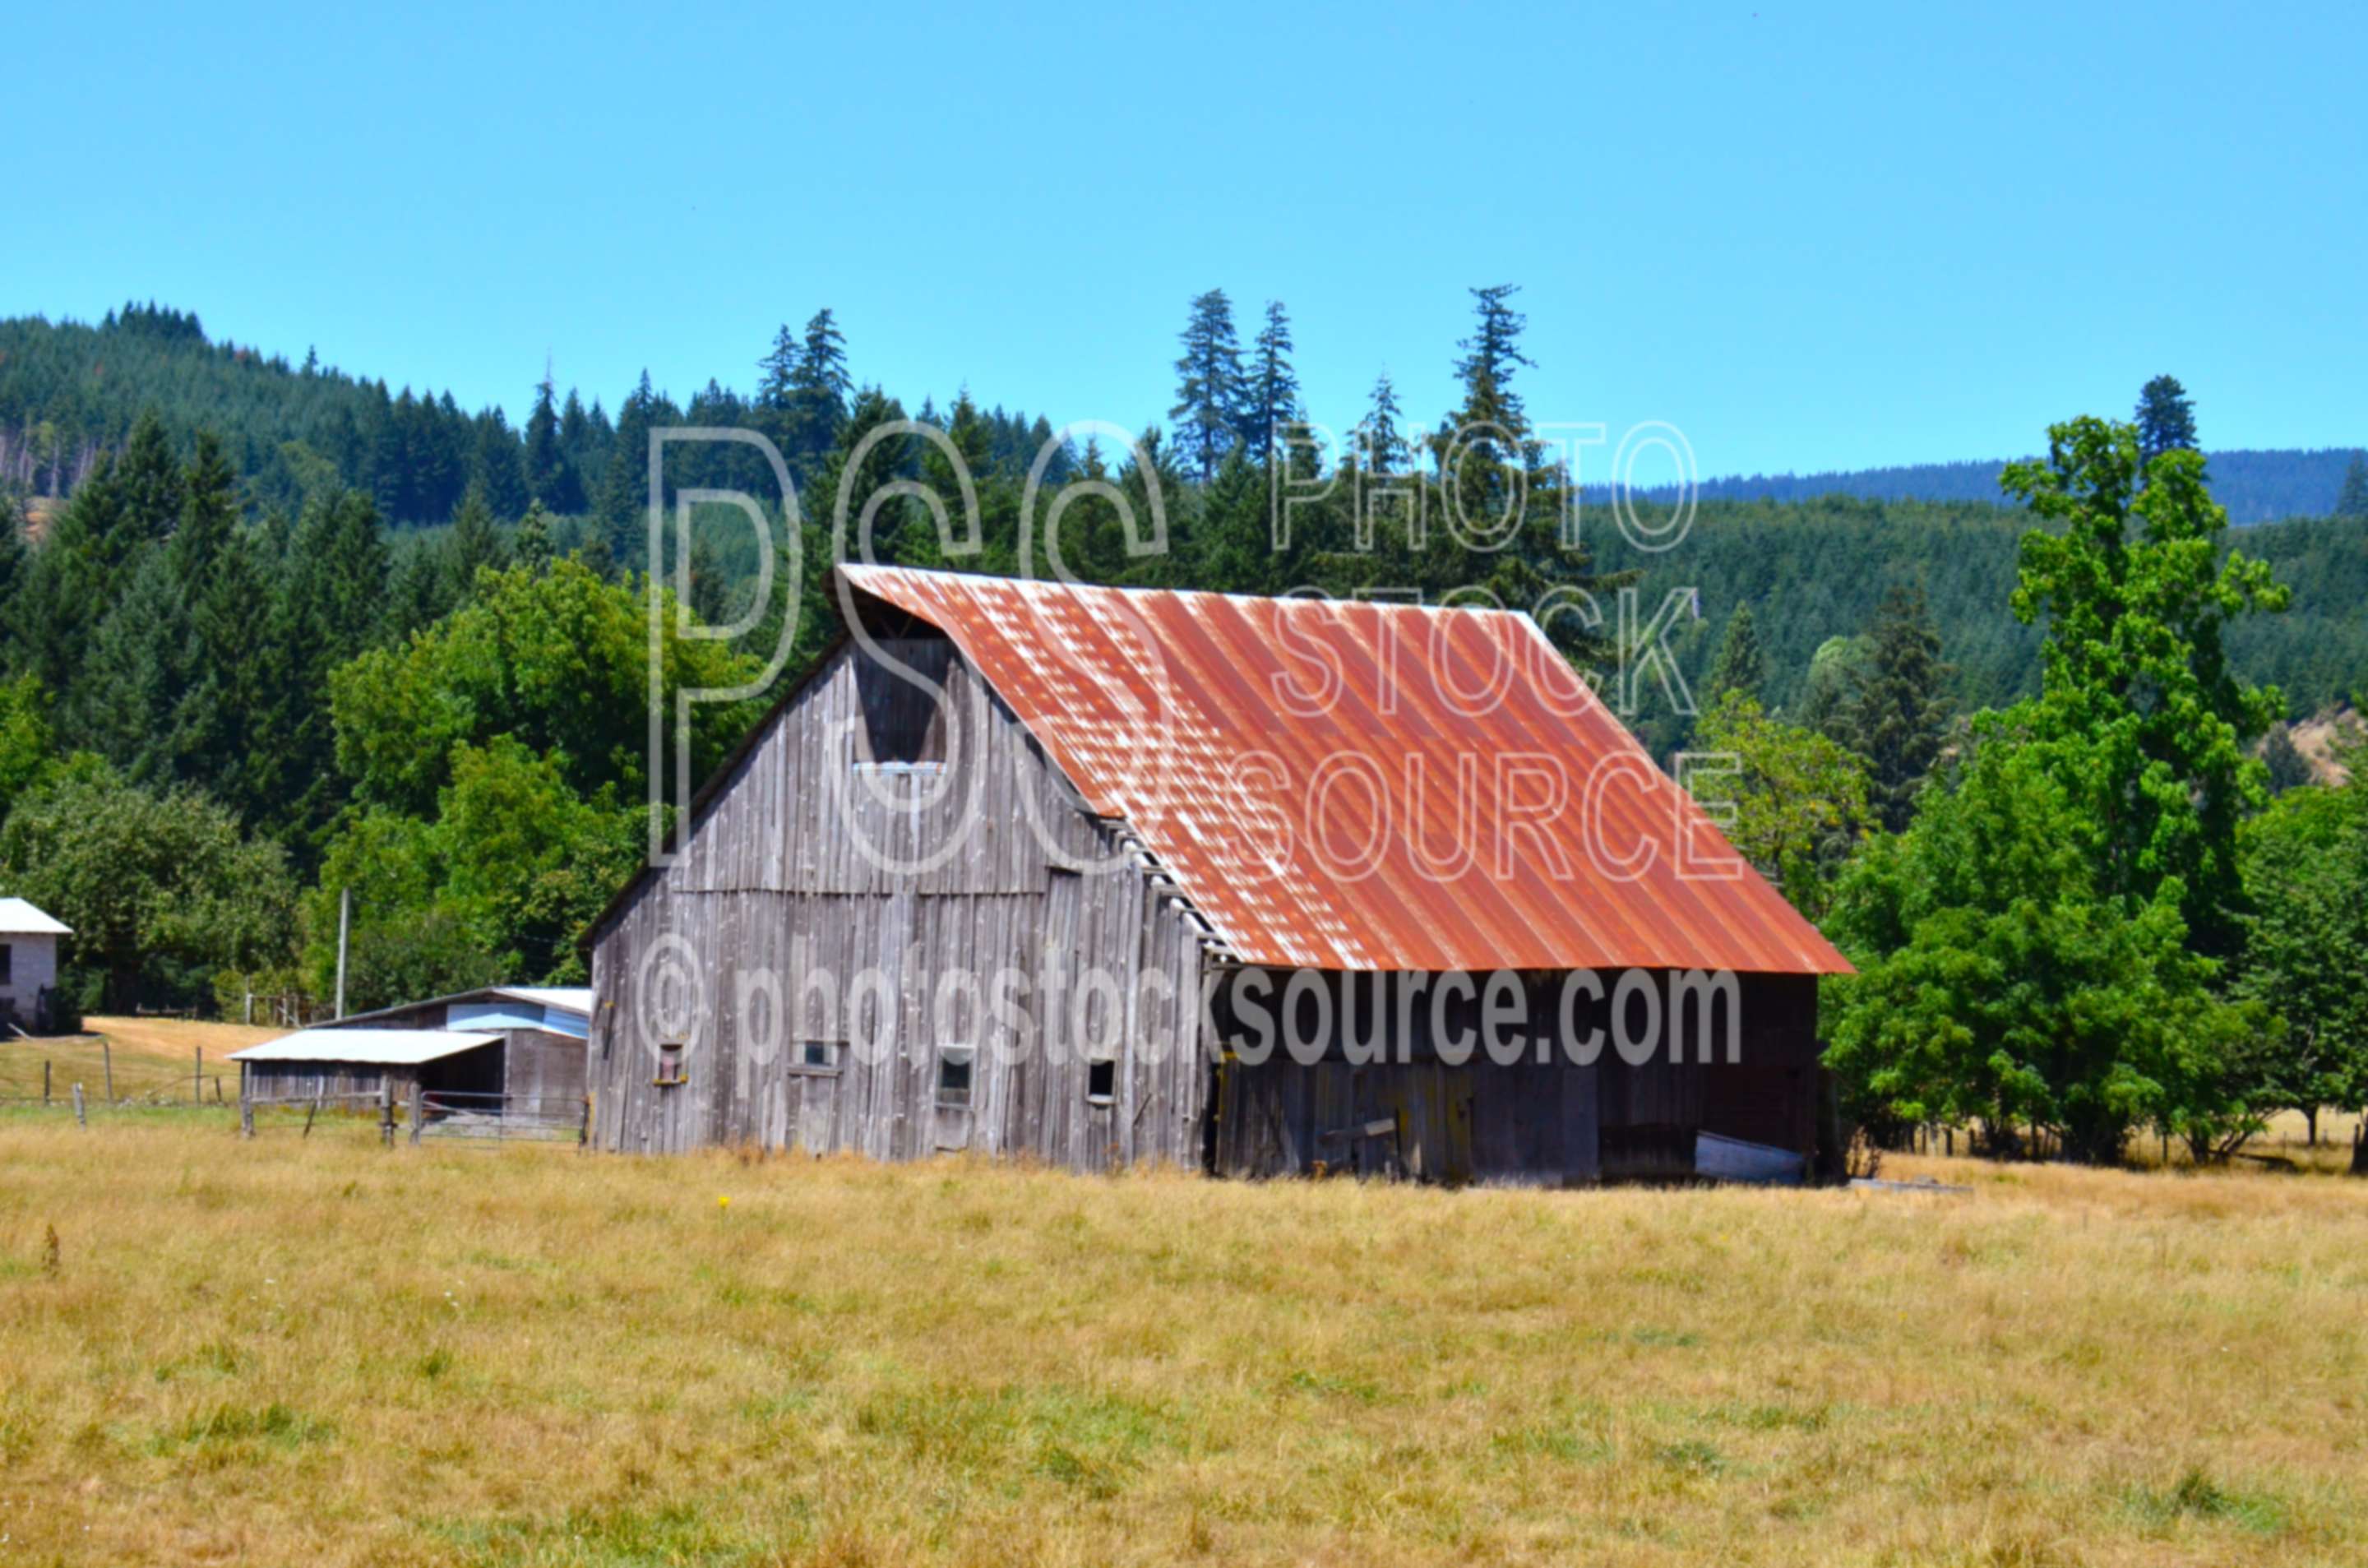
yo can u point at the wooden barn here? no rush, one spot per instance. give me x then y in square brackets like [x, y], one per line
[515, 1050]
[1102, 876]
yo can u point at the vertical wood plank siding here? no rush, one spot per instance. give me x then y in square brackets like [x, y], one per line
[983, 864]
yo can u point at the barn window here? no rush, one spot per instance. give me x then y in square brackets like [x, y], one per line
[954, 1075]
[818, 1053]
[1101, 1082]
[670, 1064]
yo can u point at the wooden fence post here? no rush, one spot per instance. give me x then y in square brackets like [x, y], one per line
[419, 1104]
[386, 1111]
[45, 1080]
[246, 1114]
[583, 1126]
[310, 1112]
[106, 1059]
[80, 1120]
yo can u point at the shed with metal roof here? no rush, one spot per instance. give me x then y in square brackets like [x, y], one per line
[496, 1051]
[1108, 876]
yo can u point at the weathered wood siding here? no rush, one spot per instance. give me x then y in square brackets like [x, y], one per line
[780, 928]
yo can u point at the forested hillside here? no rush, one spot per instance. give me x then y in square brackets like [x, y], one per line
[234, 686]
[69, 391]
[2256, 486]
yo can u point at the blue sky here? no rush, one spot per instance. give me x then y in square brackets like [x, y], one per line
[1809, 236]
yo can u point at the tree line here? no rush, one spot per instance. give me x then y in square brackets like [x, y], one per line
[2016, 770]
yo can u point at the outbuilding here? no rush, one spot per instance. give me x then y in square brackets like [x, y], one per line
[1104, 877]
[515, 1051]
[28, 966]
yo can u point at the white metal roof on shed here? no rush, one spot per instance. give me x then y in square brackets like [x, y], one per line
[18, 918]
[566, 998]
[385, 1048]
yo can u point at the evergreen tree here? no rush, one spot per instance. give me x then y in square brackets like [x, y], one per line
[624, 497]
[1385, 443]
[1209, 390]
[2354, 501]
[819, 387]
[473, 545]
[149, 482]
[2289, 770]
[1898, 715]
[1271, 401]
[498, 472]
[1490, 356]
[534, 544]
[777, 382]
[2166, 418]
[550, 478]
[1740, 667]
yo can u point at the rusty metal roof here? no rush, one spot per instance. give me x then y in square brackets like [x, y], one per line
[1361, 786]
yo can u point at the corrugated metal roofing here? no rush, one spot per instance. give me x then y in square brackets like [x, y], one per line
[1425, 825]
[385, 1048]
[567, 998]
[18, 918]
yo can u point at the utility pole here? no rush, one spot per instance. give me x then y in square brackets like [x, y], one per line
[345, 923]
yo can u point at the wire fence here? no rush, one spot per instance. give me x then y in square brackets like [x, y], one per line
[46, 1071]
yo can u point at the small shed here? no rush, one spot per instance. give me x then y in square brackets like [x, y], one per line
[28, 964]
[513, 1050]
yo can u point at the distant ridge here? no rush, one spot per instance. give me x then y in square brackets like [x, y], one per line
[2257, 486]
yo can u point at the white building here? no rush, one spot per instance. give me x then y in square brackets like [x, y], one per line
[29, 960]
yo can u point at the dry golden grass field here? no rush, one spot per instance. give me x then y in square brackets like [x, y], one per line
[154, 1059]
[320, 1351]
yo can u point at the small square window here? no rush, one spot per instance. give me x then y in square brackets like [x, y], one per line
[1101, 1082]
[818, 1053]
[670, 1057]
[953, 1078]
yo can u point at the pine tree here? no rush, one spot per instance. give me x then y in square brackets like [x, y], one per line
[497, 472]
[1898, 716]
[149, 481]
[819, 386]
[534, 546]
[1385, 444]
[1492, 354]
[473, 546]
[777, 383]
[1740, 667]
[1209, 384]
[2166, 418]
[2354, 501]
[550, 478]
[1271, 401]
[624, 497]
[2288, 767]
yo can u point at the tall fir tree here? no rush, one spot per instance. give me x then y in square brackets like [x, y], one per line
[1209, 389]
[1271, 393]
[549, 477]
[498, 472]
[1491, 356]
[1898, 716]
[1740, 665]
[2166, 418]
[473, 545]
[1384, 434]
